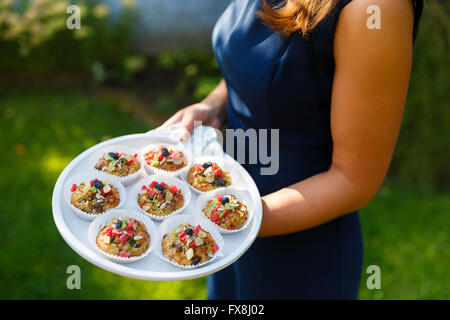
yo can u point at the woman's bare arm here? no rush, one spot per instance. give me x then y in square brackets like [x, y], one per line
[369, 91]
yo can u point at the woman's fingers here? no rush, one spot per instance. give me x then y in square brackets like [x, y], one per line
[187, 125]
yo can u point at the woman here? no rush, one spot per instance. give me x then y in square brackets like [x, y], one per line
[332, 76]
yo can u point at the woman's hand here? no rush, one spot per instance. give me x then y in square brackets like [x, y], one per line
[211, 111]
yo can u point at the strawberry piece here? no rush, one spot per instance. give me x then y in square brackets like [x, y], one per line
[192, 244]
[196, 229]
[126, 255]
[198, 167]
[108, 231]
[130, 225]
[123, 238]
[214, 217]
[217, 172]
[215, 248]
[160, 157]
[115, 233]
[135, 155]
[129, 162]
[219, 198]
[173, 189]
[92, 183]
[152, 185]
[130, 233]
[74, 187]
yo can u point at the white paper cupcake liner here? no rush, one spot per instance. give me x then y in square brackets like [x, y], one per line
[203, 200]
[96, 225]
[223, 162]
[86, 177]
[128, 179]
[155, 170]
[168, 180]
[169, 224]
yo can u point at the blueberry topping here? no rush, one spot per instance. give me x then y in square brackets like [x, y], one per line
[165, 152]
[207, 164]
[225, 200]
[196, 260]
[113, 155]
[159, 187]
[98, 184]
[189, 231]
[222, 183]
[119, 224]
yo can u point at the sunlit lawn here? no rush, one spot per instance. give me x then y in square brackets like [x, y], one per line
[406, 231]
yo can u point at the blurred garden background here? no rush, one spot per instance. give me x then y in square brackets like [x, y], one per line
[63, 91]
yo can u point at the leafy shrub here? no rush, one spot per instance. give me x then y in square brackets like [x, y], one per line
[422, 155]
[34, 38]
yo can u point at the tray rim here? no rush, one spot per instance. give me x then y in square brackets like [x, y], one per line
[125, 270]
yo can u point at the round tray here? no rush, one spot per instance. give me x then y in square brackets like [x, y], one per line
[74, 230]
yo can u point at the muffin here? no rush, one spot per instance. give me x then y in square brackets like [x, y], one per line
[95, 196]
[208, 176]
[226, 212]
[188, 245]
[124, 237]
[166, 158]
[119, 164]
[160, 199]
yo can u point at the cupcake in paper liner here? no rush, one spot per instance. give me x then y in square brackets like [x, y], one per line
[123, 235]
[165, 158]
[189, 242]
[209, 173]
[92, 194]
[121, 162]
[228, 208]
[161, 196]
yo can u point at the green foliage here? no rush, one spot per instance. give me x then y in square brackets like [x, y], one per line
[422, 155]
[34, 38]
[200, 72]
[41, 131]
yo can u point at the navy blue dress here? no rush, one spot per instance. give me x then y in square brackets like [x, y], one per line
[272, 82]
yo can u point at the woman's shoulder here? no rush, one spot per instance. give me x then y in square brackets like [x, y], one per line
[361, 17]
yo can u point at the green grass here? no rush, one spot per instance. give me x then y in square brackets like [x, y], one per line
[40, 132]
[405, 230]
[406, 233]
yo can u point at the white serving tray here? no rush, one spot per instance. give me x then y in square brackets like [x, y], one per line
[74, 230]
